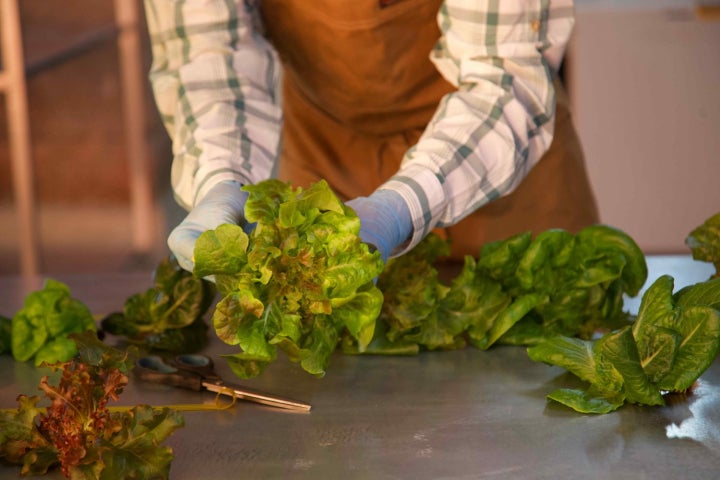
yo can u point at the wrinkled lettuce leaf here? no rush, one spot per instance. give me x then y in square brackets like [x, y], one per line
[298, 282]
[167, 316]
[412, 295]
[21, 443]
[620, 351]
[135, 450]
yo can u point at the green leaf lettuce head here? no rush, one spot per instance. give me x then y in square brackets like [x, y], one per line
[298, 282]
[40, 329]
[169, 315]
[674, 339]
[704, 242]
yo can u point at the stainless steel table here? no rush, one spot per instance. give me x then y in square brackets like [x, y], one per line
[462, 415]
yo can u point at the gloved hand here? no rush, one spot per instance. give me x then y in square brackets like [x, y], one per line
[385, 220]
[224, 203]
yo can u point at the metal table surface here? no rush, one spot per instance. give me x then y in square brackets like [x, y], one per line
[464, 414]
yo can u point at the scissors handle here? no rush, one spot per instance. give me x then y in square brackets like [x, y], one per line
[201, 365]
[154, 369]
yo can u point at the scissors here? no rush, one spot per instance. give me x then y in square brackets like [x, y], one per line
[197, 372]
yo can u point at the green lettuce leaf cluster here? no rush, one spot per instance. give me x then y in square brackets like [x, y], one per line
[39, 331]
[169, 315]
[300, 281]
[518, 291]
[674, 339]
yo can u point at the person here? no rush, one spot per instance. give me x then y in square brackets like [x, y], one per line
[422, 115]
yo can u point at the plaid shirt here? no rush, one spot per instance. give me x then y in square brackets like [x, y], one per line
[215, 80]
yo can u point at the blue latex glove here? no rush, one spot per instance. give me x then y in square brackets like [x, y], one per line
[385, 220]
[224, 203]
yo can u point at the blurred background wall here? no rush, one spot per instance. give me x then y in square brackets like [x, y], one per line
[80, 153]
[644, 80]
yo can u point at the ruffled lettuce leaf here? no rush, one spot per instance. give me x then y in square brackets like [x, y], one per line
[136, 449]
[21, 443]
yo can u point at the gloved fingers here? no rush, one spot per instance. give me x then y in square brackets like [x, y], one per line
[248, 227]
[385, 220]
[224, 203]
[375, 242]
[182, 244]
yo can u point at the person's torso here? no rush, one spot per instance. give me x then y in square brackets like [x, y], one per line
[365, 63]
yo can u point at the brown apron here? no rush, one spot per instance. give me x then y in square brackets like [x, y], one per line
[358, 91]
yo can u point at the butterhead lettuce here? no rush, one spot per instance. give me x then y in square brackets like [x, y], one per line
[298, 282]
[39, 331]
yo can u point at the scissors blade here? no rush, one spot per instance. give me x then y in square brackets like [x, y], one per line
[257, 396]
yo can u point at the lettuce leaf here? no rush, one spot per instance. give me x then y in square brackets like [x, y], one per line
[19, 435]
[620, 351]
[135, 450]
